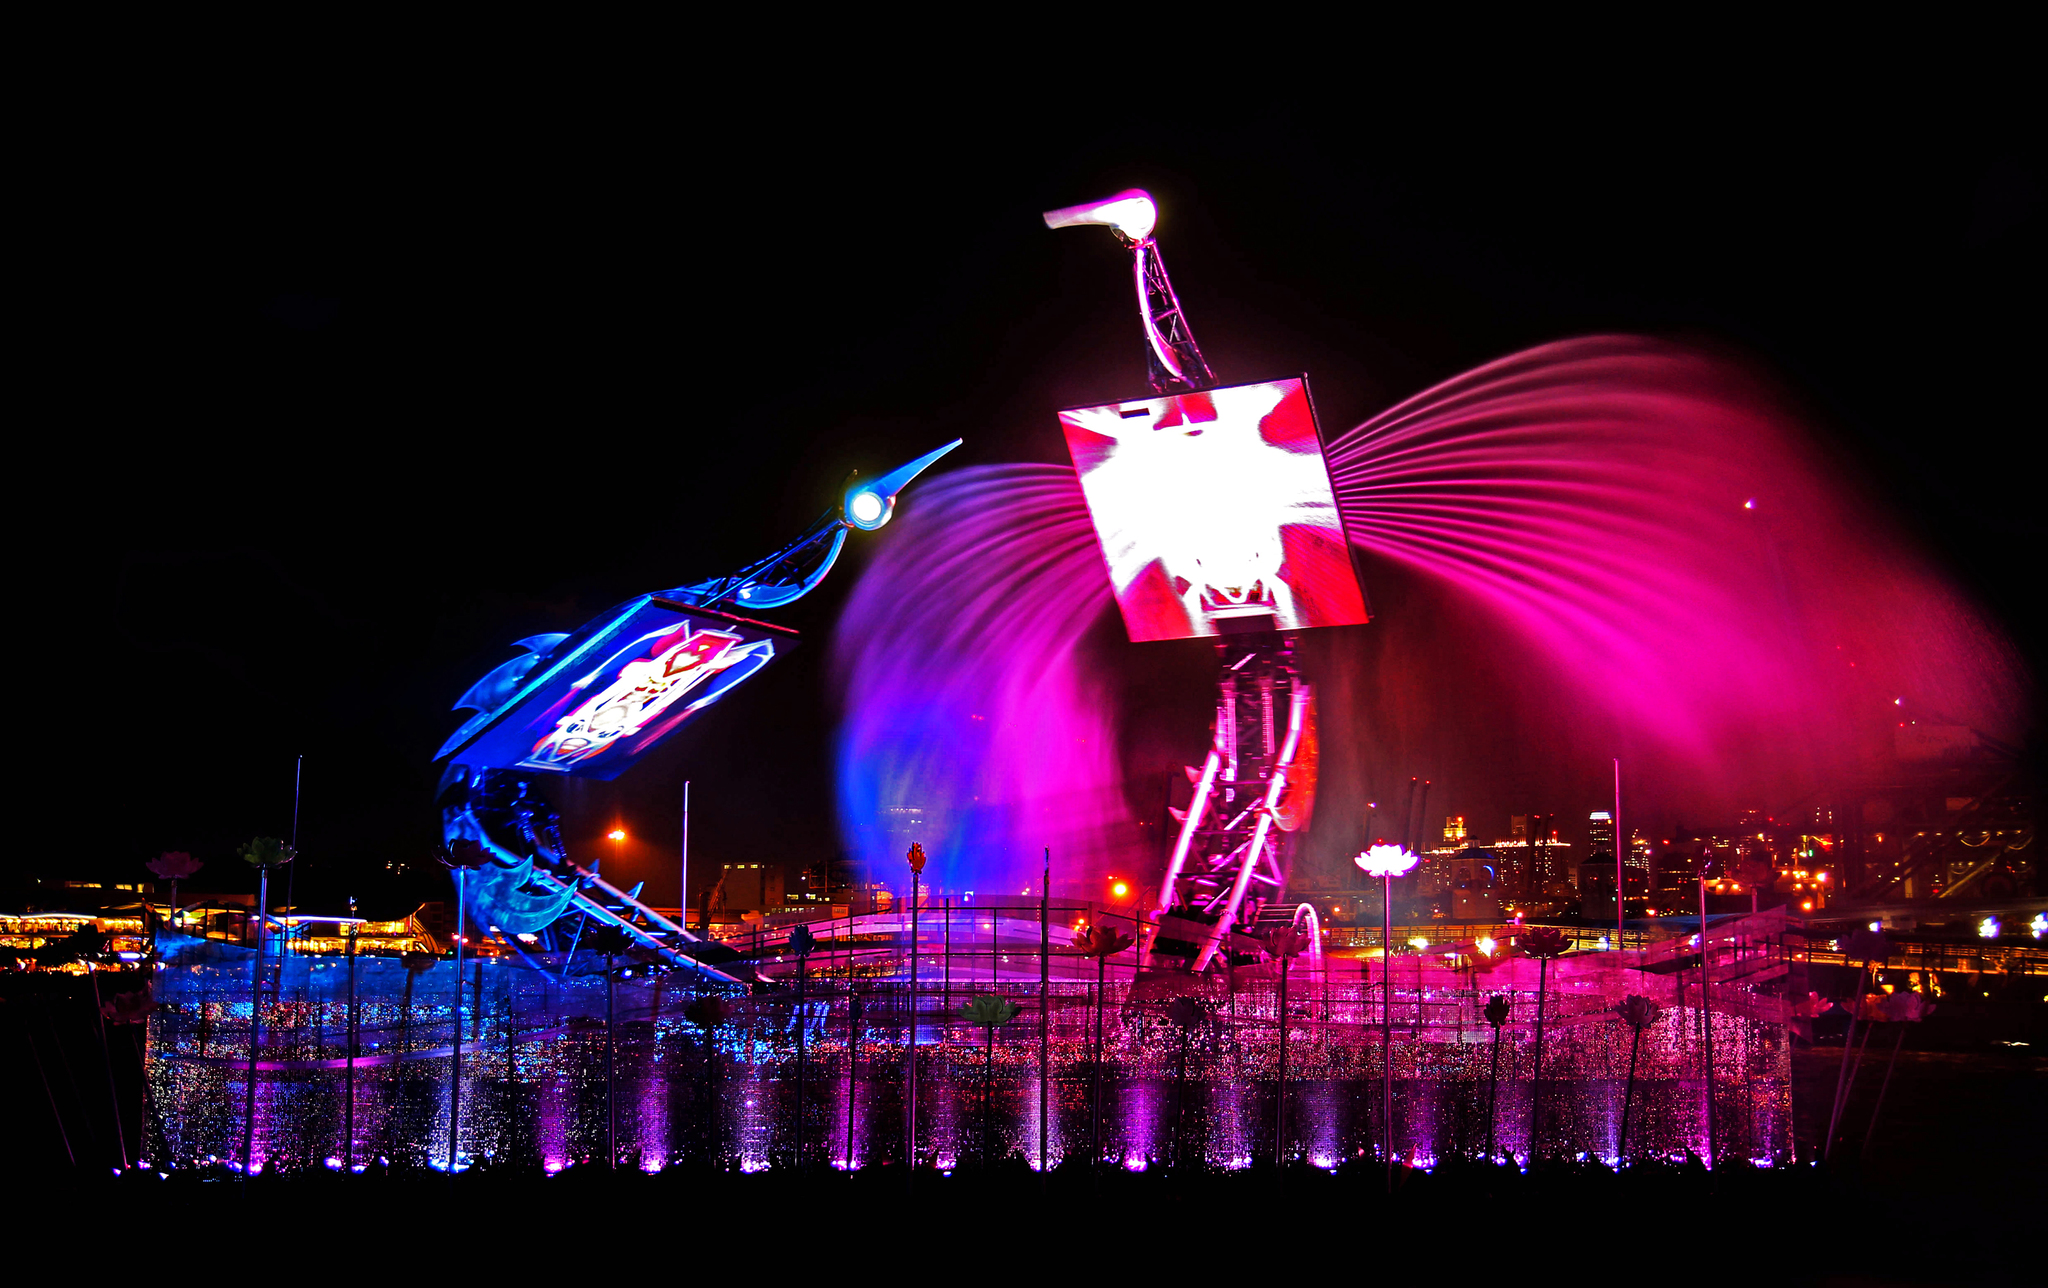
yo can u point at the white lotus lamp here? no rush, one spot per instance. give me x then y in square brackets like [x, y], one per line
[1386, 861]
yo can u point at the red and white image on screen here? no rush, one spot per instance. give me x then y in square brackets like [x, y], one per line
[1215, 512]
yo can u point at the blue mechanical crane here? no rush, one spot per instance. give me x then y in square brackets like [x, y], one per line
[592, 702]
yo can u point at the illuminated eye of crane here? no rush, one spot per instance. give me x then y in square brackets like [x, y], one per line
[865, 507]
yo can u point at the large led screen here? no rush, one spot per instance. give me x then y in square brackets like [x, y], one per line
[605, 697]
[1215, 512]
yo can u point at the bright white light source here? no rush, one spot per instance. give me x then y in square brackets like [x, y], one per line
[1988, 928]
[1486, 945]
[1131, 212]
[2039, 925]
[1386, 861]
[865, 507]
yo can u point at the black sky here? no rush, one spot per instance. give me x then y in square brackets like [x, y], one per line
[364, 396]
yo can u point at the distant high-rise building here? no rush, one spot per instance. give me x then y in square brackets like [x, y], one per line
[1454, 829]
[750, 887]
[1600, 833]
[1536, 862]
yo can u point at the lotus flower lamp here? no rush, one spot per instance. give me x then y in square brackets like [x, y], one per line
[1543, 943]
[802, 943]
[1283, 944]
[706, 1013]
[1639, 1013]
[609, 940]
[267, 852]
[1101, 941]
[463, 854]
[1383, 860]
[989, 1011]
[128, 1008]
[174, 865]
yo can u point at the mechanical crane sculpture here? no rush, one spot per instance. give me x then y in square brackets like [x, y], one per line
[1217, 518]
[590, 703]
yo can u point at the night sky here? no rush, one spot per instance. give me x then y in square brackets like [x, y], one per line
[370, 400]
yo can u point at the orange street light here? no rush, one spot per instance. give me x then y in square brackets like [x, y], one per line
[616, 834]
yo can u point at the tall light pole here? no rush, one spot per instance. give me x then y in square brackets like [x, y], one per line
[916, 858]
[348, 1125]
[463, 857]
[1386, 862]
[1620, 871]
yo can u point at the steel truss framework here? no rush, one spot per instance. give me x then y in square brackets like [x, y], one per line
[533, 884]
[1230, 858]
[1173, 363]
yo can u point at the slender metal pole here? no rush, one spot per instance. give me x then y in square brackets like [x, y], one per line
[1627, 1099]
[910, 1055]
[802, 1018]
[1044, 1009]
[291, 877]
[1387, 1023]
[1095, 1114]
[988, 1092]
[1871, 1131]
[107, 1063]
[63, 1133]
[1536, 1074]
[1492, 1093]
[611, 1084]
[348, 1116]
[455, 1078]
[683, 891]
[1280, 1089]
[1620, 872]
[255, 1019]
[852, 1057]
[1706, 1020]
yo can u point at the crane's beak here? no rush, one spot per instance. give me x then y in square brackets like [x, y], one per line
[869, 503]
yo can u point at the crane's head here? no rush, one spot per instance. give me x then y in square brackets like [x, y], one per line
[1130, 212]
[869, 502]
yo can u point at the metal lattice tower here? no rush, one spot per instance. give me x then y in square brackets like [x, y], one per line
[1231, 855]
